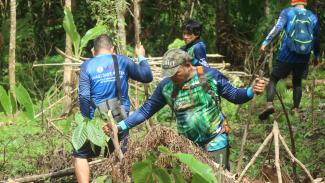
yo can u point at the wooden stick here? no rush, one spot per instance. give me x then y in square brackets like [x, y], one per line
[114, 136]
[277, 151]
[268, 138]
[294, 158]
[67, 56]
[292, 139]
[57, 64]
[60, 173]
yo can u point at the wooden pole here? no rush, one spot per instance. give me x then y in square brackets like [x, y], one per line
[277, 151]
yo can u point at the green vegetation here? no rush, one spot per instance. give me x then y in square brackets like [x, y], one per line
[36, 138]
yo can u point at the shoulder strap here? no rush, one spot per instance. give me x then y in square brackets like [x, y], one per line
[203, 78]
[205, 85]
[117, 78]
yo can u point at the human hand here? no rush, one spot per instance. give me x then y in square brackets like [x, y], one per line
[139, 50]
[262, 49]
[110, 129]
[258, 86]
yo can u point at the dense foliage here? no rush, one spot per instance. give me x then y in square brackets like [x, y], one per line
[33, 142]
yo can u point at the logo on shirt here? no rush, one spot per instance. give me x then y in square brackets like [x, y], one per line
[100, 69]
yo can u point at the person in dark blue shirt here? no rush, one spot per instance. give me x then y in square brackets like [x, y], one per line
[196, 103]
[98, 84]
[289, 61]
[192, 31]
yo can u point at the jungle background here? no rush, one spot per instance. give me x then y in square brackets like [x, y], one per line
[36, 142]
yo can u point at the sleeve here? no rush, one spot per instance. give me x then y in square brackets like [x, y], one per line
[231, 93]
[140, 72]
[148, 109]
[200, 54]
[86, 108]
[316, 38]
[282, 21]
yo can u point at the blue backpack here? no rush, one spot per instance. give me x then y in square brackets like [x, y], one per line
[300, 36]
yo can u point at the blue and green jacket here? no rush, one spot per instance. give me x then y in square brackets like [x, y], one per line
[198, 117]
[284, 23]
[97, 81]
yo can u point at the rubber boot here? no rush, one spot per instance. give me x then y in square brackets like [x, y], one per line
[267, 111]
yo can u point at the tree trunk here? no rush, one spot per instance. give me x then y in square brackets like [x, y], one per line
[12, 47]
[137, 24]
[67, 80]
[221, 22]
[120, 6]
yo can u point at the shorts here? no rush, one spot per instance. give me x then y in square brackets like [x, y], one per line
[281, 70]
[87, 151]
[221, 157]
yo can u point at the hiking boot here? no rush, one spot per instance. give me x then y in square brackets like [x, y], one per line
[267, 112]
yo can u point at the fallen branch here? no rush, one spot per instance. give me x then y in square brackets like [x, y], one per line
[295, 159]
[60, 173]
[268, 138]
[67, 56]
[277, 152]
[292, 139]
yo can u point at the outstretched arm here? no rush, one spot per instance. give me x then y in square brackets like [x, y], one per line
[148, 109]
[282, 21]
[140, 72]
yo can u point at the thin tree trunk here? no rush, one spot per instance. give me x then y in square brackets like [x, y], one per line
[67, 80]
[12, 47]
[120, 6]
[137, 24]
[221, 22]
[267, 8]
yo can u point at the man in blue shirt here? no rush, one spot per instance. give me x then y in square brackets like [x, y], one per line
[192, 31]
[194, 95]
[288, 59]
[98, 84]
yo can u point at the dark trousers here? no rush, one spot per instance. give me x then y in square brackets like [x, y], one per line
[282, 70]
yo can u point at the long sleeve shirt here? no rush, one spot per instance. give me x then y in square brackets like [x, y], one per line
[197, 115]
[285, 22]
[198, 50]
[97, 81]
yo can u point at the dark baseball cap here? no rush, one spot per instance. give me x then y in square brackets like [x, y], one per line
[172, 60]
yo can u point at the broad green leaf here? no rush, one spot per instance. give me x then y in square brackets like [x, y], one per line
[79, 136]
[5, 101]
[165, 150]
[95, 135]
[162, 175]
[101, 179]
[24, 100]
[198, 179]
[79, 118]
[13, 103]
[177, 174]
[70, 28]
[90, 35]
[197, 167]
[142, 172]
[177, 43]
[65, 125]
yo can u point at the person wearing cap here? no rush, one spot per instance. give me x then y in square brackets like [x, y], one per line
[98, 84]
[192, 31]
[290, 59]
[193, 93]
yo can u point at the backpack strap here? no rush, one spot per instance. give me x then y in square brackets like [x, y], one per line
[206, 86]
[117, 77]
